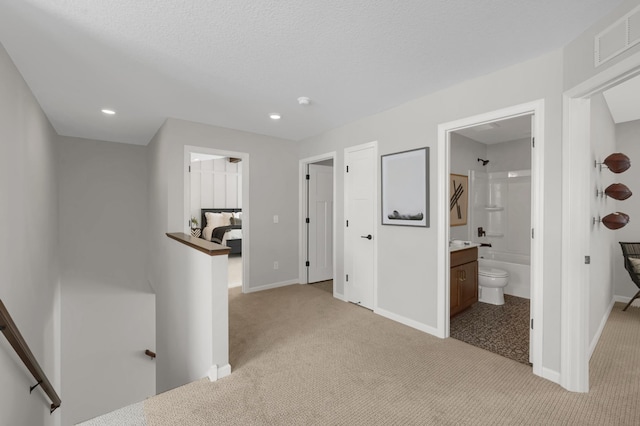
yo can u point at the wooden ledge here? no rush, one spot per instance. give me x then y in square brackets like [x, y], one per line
[207, 247]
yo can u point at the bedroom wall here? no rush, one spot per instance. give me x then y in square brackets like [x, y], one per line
[407, 283]
[28, 254]
[108, 308]
[602, 240]
[215, 184]
[627, 135]
[273, 190]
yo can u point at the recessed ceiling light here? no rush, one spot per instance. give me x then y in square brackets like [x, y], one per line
[108, 111]
[275, 116]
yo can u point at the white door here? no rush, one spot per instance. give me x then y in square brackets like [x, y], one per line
[320, 227]
[360, 215]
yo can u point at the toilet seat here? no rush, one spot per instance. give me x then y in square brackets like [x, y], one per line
[492, 272]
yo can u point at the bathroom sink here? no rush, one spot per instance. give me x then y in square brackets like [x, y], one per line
[456, 245]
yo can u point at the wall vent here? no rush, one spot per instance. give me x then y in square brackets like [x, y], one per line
[620, 36]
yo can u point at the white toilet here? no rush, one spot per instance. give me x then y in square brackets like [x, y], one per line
[491, 284]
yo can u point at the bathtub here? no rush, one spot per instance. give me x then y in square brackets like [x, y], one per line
[517, 265]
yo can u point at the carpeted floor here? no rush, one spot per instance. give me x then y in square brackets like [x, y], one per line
[235, 270]
[324, 286]
[503, 329]
[131, 415]
[300, 356]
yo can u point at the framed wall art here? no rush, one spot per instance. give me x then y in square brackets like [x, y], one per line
[405, 188]
[458, 199]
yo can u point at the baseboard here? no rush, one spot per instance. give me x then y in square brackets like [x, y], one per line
[270, 286]
[213, 373]
[224, 371]
[408, 322]
[625, 300]
[518, 291]
[340, 296]
[216, 372]
[603, 322]
[551, 375]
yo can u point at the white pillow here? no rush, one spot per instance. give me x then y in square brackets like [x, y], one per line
[215, 220]
[635, 263]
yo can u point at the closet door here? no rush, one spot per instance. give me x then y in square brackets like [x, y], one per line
[320, 223]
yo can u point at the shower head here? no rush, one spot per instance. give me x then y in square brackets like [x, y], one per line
[484, 162]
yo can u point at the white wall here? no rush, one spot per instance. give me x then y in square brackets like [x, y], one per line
[407, 268]
[193, 317]
[108, 308]
[273, 190]
[627, 137]
[602, 239]
[215, 184]
[28, 254]
[464, 153]
[509, 156]
[579, 64]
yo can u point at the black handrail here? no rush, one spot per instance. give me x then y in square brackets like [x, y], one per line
[11, 332]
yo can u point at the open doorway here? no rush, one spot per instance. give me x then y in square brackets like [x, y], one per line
[216, 204]
[527, 124]
[596, 124]
[317, 208]
[490, 166]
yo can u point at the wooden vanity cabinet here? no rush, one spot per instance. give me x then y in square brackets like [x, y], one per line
[464, 279]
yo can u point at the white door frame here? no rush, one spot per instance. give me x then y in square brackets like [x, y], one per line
[188, 149]
[536, 108]
[302, 213]
[576, 217]
[376, 218]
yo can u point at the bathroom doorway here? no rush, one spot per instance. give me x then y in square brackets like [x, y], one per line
[498, 157]
[495, 160]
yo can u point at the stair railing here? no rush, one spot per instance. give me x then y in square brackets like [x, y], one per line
[11, 332]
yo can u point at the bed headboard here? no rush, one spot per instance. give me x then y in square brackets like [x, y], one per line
[203, 219]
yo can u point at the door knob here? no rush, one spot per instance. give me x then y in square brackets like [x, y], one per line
[368, 237]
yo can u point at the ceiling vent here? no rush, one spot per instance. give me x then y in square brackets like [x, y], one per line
[620, 36]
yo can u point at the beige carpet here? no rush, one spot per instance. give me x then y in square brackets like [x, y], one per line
[235, 270]
[324, 285]
[300, 356]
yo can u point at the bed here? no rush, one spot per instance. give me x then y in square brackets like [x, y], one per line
[223, 226]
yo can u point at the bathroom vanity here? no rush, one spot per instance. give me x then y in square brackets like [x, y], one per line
[463, 278]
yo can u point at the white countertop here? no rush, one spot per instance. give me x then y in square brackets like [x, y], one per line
[462, 245]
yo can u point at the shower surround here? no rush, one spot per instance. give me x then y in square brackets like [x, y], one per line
[500, 204]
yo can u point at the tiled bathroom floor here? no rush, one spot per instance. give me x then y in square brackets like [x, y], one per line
[503, 330]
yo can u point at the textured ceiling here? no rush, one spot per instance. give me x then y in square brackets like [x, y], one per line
[232, 62]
